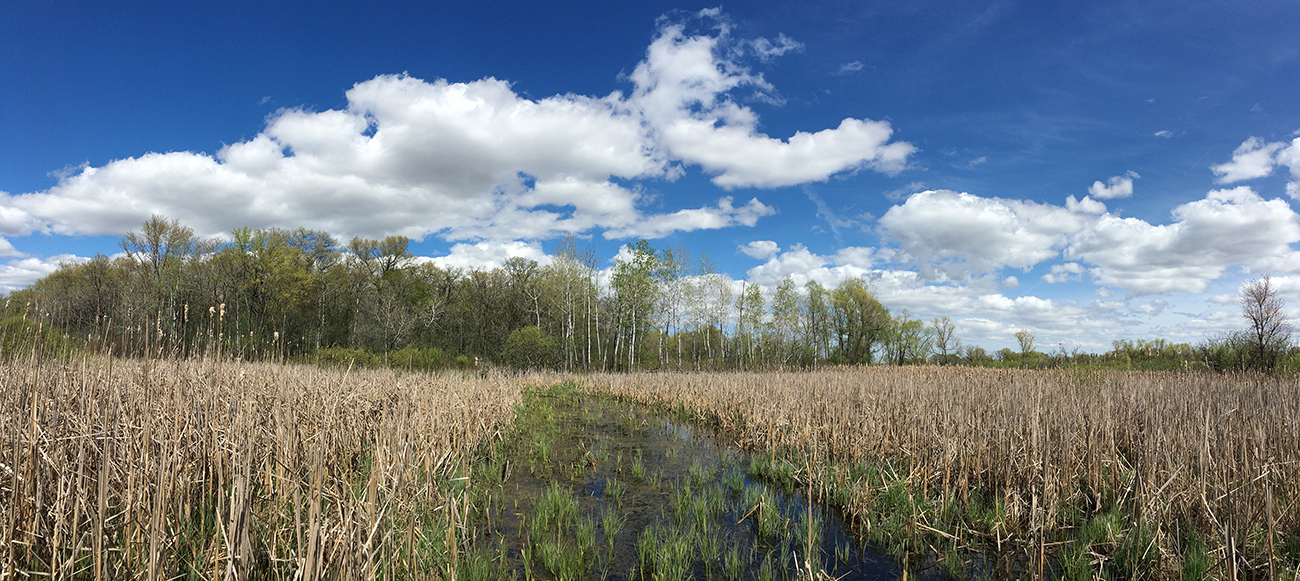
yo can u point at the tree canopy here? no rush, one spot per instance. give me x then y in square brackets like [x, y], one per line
[300, 293]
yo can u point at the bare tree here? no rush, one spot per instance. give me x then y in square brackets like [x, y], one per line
[945, 338]
[1269, 333]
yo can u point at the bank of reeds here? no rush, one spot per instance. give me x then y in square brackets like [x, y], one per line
[209, 468]
[1126, 474]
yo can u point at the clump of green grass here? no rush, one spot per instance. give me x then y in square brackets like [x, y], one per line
[638, 465]
[563, 541]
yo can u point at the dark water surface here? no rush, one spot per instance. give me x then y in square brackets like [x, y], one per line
[668, 481]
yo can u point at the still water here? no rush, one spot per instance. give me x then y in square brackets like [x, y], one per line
[657, 498]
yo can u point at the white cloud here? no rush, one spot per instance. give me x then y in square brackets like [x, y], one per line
[1252, 159]
[682, 91]
[904, 289]
[489, 254]
[950, 236]
[1011, 282]
[15, 222]
[1069, 271]
[979, 160]
[20, 273]
[722, 215]
[1256, 159]
[802, 265]
[960, 234]
[1153, 308]
[7, 249]
[476, 161]
[767, 50]
[1224, 299]
[1085, 206]
[1115, 187]
[1290, 157]
[1208, 236]
[852, 67]
[760, 249]
[1164, 133]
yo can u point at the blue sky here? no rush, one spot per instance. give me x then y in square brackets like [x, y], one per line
[1090, 172]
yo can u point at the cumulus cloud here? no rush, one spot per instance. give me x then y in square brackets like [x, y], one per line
[1115, 187]
[15, 222]
[1252, 159]
[490, 254]
[475, 161]
[1153, 308]
[20, 273]
[1228, 227]
[722, 215]
[1256, 159]
[803, 265]
[982, 314]
[959, 234]
[1085, 206]
[951, 235]
[1069, 271]
[1290, 157]
[7, 249]
[682, 91]
[760, 249]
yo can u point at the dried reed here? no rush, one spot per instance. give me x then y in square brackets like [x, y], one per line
[158, 468]
[1179, 453]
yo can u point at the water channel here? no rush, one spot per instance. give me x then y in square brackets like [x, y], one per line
[593, 488]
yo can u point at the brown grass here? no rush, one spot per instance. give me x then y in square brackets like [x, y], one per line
[113, 469]
[1215, 454]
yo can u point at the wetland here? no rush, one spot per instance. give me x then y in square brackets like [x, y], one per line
[590, 487]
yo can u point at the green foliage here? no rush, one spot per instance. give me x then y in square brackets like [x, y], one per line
[859, 320]
[299, 294]
[409, 358]
[22, 337]
[529, 348]
[423, 359]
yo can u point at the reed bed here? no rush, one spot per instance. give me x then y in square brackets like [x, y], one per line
[1170, 461]
[209, 468]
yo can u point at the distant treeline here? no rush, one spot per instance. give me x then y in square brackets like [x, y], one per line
[300, 294]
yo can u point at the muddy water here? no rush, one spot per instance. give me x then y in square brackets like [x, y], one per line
[683, 502]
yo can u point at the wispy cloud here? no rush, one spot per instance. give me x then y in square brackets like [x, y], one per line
[849, 68]
[828, 215]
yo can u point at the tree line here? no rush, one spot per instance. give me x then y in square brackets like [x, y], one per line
[302, 294]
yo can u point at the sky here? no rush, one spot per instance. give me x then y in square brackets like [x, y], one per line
[1088, 171]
